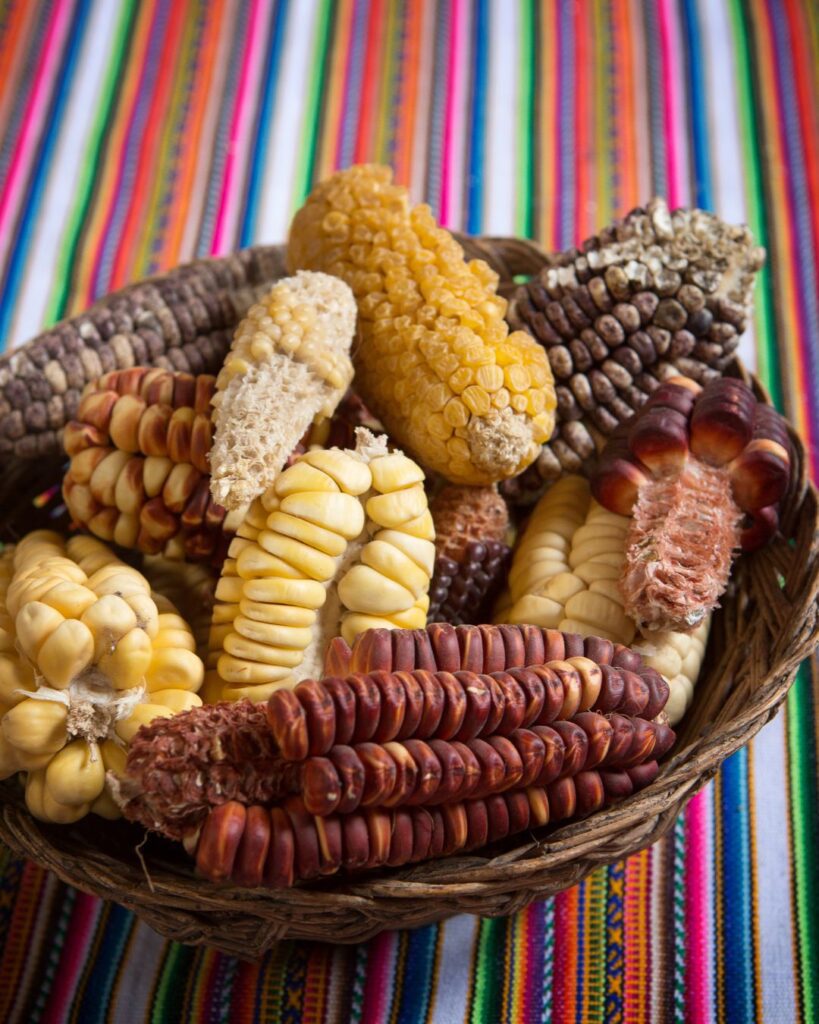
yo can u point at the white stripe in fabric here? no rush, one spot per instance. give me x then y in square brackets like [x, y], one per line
[456, 955]
[500, 170]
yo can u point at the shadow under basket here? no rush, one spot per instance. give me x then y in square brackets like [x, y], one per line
[766, 626]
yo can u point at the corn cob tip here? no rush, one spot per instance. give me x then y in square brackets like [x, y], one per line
[289, 363]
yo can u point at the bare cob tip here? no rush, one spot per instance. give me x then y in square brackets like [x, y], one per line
[289, 364]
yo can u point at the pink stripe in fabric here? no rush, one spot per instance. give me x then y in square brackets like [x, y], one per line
[454, 89]
[671, 105]
[380, 978]
[79, 934]
[32, 122]
[246, 98]
[698, 937]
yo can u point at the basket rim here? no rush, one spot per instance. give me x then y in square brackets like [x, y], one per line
[178, 904]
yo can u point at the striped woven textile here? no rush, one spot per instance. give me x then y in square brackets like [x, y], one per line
[135, 135]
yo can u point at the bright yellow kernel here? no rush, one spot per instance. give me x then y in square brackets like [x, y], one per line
[489, 377]
[476, 400]
[456, 413]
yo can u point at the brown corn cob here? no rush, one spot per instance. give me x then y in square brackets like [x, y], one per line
[381, 706]
[656, 293]
[253, 846]
[139, 472]
[442, 647]
[471, 553]
[181, 321]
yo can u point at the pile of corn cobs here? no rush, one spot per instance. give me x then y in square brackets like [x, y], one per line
[403, 743]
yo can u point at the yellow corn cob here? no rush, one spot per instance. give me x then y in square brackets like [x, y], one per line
[289, 363]
[91, 658]
[565, 575]
[436, 362]
[341, 542]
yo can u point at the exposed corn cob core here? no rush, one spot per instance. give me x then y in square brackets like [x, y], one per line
[180, 767]
[88, 659]
[471, 525]
[655, 294]
[435, 361]
[139, 468]
[686, 468]
[566, 572]
[289, 363]
[679, 548]
[342, 542]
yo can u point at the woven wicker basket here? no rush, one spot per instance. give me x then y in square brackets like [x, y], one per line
[766, 627]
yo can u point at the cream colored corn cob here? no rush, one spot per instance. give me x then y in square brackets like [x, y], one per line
[565, 575]
[289, 363]
[91, 658]
[342, 542]
[435, 361]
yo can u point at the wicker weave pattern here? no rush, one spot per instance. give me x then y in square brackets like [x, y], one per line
[760, 636]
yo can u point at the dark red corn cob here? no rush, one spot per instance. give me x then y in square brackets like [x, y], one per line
[310, 719]
[415, 773]
[442, 647]
[301, 847]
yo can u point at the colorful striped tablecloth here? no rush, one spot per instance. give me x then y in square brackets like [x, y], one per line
[135, 135]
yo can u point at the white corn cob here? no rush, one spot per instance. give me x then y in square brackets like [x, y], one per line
[289, 363]
[88, 658]
[565, 575]
[341, 542]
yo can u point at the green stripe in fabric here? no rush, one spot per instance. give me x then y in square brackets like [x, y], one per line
[170, 994]
[115, 73]
[678, 875]
[320, 64]
[754, 163]
[802, 749]
[526, 79]
[487, 990]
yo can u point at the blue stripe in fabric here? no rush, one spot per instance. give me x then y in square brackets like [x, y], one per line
[104, 968]
[42, 164]
[477, 119]
[735, 870]
[261, 134]
[695, 74]
[416, 982]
